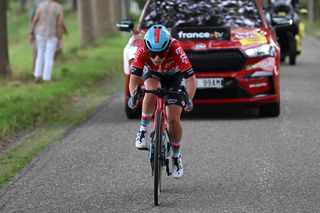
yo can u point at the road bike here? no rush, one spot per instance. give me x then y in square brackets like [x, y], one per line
[160, 147]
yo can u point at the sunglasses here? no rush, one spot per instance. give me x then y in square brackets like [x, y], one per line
[162, 54]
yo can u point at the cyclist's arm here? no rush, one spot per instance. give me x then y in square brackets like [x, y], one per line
[137, 68]
[185, 66]
[191, 86]
[135, 78]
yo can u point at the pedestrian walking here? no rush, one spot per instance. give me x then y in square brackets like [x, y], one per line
[46, 30]
[32, 12]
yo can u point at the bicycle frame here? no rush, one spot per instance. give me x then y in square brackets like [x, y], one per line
[160, 107]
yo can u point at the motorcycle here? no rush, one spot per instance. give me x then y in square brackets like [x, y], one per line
[289, 36]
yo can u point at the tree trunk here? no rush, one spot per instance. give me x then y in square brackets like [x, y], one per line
[316, 10]
[118, 10]
[4, 54]
[85, 21]
[311, 11]
[8, 4]
[104, 14]
[72, 4]
[23, 4]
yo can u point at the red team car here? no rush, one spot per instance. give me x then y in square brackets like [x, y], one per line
[231, 47]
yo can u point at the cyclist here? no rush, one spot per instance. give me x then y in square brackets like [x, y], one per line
[162, 62]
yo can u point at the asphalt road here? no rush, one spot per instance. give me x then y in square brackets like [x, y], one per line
[234, 161]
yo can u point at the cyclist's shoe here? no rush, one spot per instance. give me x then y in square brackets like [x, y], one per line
[177, 169]
[141, 141]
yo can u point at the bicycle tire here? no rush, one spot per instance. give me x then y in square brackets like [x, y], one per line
[157, 158]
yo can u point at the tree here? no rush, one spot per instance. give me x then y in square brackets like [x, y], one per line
[72, 4]
[8, 4]
[22, 6]
[316, 10]
[313, 10]
[141, 3]
[85, 22]
[4, 54]
[103, 17]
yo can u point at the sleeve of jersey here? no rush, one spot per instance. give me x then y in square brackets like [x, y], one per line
[138, 62]
[183, 61]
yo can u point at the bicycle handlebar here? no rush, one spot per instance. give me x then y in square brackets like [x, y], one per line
[161, 92]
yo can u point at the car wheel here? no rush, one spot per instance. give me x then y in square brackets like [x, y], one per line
[270, 110]
[132, 114]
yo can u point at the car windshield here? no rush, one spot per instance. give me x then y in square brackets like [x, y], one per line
[205, 13]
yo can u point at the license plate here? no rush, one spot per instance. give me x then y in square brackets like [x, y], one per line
[216, 83]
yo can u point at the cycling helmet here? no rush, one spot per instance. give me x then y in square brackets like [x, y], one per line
[157, 38]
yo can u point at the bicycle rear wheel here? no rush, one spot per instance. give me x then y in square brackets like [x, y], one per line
[157, 158]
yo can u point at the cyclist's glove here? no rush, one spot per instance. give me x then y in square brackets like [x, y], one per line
[190, 105]
[132, 105]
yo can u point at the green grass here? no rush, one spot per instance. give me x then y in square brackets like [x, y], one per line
[15, 158]
[314, 29]
[24, 104]
[82, 78]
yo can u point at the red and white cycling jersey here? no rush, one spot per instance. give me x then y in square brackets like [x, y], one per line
[175, 61]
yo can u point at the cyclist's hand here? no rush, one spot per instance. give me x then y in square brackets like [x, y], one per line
[131, 104]
[188, 107]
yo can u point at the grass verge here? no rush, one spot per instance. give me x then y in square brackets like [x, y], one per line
[18, 156]
[24, 104]
[314, 29]
[52, 109]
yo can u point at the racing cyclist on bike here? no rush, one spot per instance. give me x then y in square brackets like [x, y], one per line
[162, 62]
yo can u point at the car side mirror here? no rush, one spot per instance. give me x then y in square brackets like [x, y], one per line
[125, 25]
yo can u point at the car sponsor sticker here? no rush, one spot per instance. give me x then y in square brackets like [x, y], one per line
[257, 40]
[261, 64]
[251, 37]
[263, 84]
[205, 33]
[204, 83]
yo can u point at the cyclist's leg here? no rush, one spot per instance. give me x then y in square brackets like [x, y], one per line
[151, 82]
[150, 100]
[174, 109]
[148, 105]
[174, 124]
[175, 132]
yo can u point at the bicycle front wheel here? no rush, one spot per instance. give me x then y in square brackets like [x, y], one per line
[157, 158]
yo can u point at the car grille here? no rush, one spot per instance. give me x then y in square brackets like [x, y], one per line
[230, 60]
[232, 89]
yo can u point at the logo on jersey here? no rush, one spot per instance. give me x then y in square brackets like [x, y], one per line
[183, 55]
[139, 51]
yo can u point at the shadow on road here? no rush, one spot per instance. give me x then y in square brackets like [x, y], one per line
[222, 112]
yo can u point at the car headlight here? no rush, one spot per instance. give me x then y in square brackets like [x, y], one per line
[263, 50]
